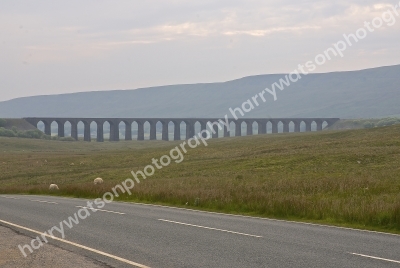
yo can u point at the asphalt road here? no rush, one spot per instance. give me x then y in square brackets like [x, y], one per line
[156, 236]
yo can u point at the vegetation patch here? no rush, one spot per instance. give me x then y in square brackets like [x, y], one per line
[347, 178]
[364, 123]
[19, 128]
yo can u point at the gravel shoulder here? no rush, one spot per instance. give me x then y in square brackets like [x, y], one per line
[46, 257]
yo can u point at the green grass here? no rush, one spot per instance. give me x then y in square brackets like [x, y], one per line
[347, 178]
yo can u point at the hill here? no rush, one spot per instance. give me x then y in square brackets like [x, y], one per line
[19, 124]
[370, 93]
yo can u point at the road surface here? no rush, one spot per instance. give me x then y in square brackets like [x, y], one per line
[137, 235]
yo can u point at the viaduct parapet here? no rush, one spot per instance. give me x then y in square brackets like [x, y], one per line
[205, 123]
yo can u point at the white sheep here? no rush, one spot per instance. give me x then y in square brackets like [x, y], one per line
[98, 181]
[53, 187]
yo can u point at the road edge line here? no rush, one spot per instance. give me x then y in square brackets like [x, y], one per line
[373, 257]
[77, 245]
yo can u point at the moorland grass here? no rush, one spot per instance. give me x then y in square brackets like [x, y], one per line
[348, 178]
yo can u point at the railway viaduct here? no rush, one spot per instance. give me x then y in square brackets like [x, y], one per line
[205, 123]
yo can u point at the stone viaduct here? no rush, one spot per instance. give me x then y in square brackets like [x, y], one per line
[189, 122]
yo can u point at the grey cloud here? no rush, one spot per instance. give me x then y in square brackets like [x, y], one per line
[53, 47]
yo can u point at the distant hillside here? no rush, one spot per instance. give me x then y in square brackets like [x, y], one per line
[20, 124]
[357, 94]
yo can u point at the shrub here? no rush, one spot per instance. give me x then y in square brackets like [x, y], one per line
[28, 134]
[46, 137]
[388, 122]
[35, 134]
[3, 122]
[6, 132]
[391, 121]
[380, 123]
[369, 124]
[22, 134]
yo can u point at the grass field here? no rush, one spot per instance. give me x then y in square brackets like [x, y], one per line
[347, 178]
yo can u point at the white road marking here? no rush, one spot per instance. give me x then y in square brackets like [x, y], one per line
[33, 200]
[372, 257]
[42, 201]
[261, 218]
[102, 210]
[9, 197]
[78, 245]
[210, 228]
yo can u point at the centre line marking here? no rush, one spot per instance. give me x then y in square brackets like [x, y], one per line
[42, 201]
[372, 257]
[96, 209]
[78, 245]
[210, 228]
[9, 197]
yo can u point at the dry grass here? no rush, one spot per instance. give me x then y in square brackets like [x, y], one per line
[338, 177]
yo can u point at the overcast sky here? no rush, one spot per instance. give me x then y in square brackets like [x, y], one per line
[52, 47]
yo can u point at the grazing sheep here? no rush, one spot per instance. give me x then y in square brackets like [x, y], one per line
[98, 181]
[53, 187]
